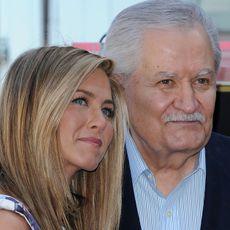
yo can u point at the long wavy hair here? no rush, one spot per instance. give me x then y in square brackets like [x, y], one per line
[36, 91]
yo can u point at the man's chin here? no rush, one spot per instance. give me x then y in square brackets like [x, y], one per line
[188, 140]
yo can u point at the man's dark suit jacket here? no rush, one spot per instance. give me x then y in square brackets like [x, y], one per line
[216, 211]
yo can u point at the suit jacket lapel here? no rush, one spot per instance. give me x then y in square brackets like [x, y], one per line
[129, 214]
[216, 211]
[212, 197]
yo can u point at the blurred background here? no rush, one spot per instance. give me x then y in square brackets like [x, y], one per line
[27, 24]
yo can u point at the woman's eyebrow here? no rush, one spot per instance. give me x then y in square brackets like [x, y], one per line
[86, 92]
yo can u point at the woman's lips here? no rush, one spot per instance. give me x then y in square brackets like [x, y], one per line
[92, 140]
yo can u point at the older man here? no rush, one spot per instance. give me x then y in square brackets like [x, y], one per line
[166, 56]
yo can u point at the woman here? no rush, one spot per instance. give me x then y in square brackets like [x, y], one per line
[61, 143]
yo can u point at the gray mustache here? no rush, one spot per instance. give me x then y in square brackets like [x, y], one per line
[185, 117]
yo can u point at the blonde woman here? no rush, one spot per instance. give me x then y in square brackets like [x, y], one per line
[61, 143]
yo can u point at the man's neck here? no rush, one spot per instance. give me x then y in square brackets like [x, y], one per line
[169, 173]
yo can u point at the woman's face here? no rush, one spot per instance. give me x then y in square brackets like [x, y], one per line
[86, 128]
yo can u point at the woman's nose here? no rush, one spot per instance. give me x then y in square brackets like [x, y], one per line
[97, 119]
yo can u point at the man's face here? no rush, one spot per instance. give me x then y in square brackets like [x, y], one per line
[171, 95]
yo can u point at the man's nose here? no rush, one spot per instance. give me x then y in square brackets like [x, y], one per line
[186, 100]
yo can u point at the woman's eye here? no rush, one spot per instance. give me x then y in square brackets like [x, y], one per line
[109, 113]
[79, 101]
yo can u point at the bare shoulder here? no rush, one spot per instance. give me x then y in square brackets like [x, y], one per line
[12, 221]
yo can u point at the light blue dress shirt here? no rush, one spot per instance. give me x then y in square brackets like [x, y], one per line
[181, 209]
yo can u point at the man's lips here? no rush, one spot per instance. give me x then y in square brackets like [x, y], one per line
[92, 140]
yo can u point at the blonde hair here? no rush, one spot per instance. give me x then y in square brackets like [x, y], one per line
[36, 91]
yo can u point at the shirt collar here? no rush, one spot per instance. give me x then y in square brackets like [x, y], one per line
[136, 162]
[201, 161]
[138, 165]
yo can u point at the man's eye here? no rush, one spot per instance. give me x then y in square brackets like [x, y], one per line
[166, 82]
[203, 81]
[80, 101]
[109, 113]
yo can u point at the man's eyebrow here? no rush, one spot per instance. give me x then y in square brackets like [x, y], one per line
[170, 74]
[206, 71]
[166, 74]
